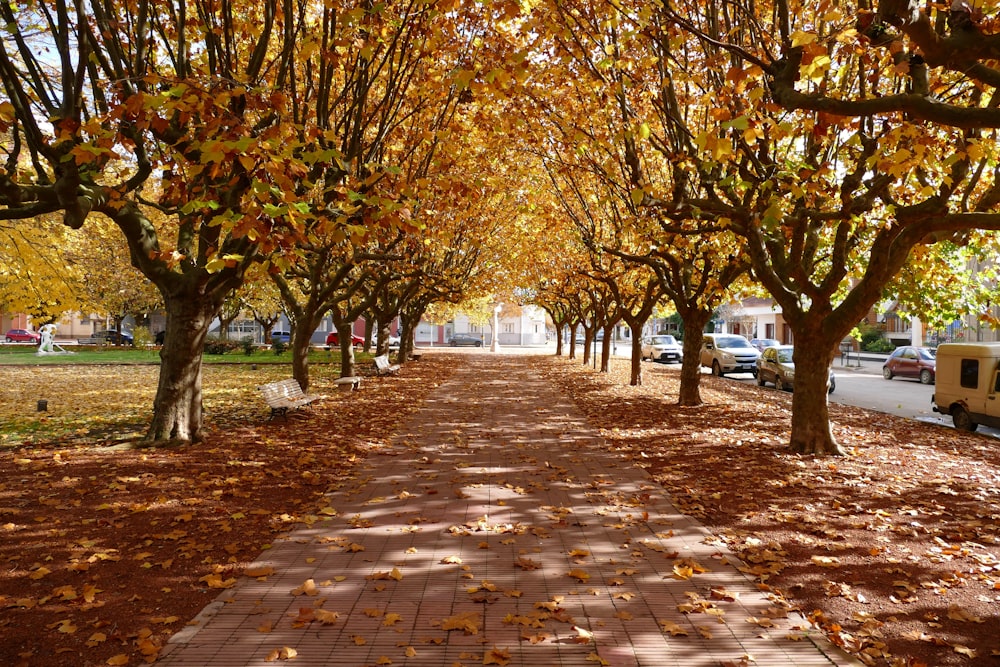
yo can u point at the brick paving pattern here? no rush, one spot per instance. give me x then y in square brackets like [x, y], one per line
[497, 530]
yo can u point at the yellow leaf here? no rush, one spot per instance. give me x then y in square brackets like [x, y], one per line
[391, 619]
[216, 581]
[396, 574]
[383, 660]
[496, 656]
[266, 626]
[582, 636]
[451, 560]
[800, 38]
[39, 573]
[467, 621]
[826, 561]
[359, 640]
[120, 659]
[259, 571]
[579, 553]
[308, 587]
[593, 657]
[966, 651]
[674, 629]
[283, 653]
[578, 574]
[96, 638]
[326, 617]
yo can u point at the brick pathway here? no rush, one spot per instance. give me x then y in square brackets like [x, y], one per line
[497, 531]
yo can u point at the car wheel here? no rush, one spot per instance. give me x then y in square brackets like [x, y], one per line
[962, 419]
[716, 368]
[760, 379]
[10, 340]
[887, 372]
[780, 383]
[833, 385]
[926, 377]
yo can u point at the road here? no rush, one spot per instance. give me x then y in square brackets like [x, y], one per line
[865, 387]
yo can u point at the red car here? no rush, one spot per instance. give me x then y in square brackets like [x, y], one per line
[911, 362]
[23, 336]
[333, 340]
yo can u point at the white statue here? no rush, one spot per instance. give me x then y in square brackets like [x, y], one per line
[47, 343]
[47, 332]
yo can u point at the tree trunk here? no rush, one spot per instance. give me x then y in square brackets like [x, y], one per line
[345, 332]
[177, 408]
[300, 342]
[606, 349]
[636, 379]
[811, 433]
[694, 319]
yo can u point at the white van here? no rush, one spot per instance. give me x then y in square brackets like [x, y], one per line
[968, 384]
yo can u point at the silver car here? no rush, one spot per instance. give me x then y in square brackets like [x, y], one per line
[775, 365]
[663, 348]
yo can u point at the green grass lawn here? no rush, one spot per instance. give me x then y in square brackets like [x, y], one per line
[25, 355]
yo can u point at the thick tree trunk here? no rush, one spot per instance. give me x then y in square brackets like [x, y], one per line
[636, 378]
[345, 332]
[300, 343]
[690, 390]
[606, 350]
[177, 408]
[811, 433]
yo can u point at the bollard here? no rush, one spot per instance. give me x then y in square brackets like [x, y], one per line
[253, 367]
[43, 406]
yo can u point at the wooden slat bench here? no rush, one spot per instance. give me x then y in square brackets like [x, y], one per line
[349, 383]
[383, 367]
[285, 395]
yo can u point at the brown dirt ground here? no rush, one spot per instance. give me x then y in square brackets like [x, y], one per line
[108, 550]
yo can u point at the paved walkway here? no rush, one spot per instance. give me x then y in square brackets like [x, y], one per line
[496, 530]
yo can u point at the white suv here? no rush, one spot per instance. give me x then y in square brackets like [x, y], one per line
[728, 353]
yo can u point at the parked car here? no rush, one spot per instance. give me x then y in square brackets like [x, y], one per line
[281, 337]
[661, 348]
[23, 336]
[112, 337]
[728, 353]
[764, 343]
[333, 340]
[465, 340]
[911, 362]
[775, 365]
[968, 384]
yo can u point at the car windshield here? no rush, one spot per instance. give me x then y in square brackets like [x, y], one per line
[664, 340]
[927, 353]
[732, 341]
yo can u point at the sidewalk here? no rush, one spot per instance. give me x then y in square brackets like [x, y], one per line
[496, 530]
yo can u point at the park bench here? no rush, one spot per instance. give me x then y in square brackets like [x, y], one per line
[349, 383]
[382, 366]
[285, 395]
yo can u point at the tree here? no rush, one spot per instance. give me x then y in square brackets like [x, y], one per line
[100, 96]
[829, 173]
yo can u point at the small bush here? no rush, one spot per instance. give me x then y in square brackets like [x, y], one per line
[879, 346]
[220, 346]
[141, 337]
[278, 346]
[248, 345]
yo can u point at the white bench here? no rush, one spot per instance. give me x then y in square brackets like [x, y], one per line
[285, 395]
[382, 366]
[349, 383]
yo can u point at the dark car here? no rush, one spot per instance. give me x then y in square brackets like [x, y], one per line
[333, 340]
[112, 337]
[23, 336]
[281, 337]
[911, 362]
[775, 365]
[465, 340]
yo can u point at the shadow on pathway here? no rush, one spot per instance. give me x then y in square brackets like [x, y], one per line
[497, 530]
